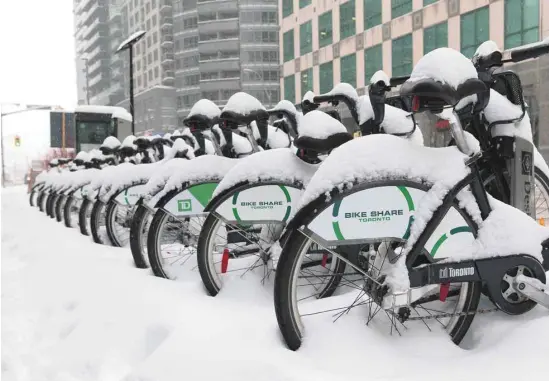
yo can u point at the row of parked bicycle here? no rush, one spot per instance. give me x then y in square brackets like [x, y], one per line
[377, 223]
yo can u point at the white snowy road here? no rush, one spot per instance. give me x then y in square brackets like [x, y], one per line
[74, 310]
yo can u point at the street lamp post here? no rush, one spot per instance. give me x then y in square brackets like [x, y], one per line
[267, 92]
[128, 45]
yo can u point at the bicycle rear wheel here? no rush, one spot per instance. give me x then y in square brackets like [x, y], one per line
[139, 231]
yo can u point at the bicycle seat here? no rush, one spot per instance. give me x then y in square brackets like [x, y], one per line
[431, 92]
[143, 143]
[199, 122]
[434, 86]
[234, 119]
[321, 133]
[242, 109]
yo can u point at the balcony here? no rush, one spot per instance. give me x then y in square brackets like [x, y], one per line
[165, 6]
[167, 58]
[166, 23]
[213, 6]
[96, 53]
[212, 26]
[221, 83]
[166, 40]
[213, 46]
[168, 81]
[220, 64]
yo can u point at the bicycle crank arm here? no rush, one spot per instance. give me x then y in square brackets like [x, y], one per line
[533, 289]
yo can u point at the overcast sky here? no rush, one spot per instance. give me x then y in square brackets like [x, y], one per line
[36, 67]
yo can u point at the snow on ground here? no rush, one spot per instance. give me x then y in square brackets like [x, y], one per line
[74, 310]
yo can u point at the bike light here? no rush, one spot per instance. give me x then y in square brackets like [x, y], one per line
[541, 221]
[442, 124]
[415, 103]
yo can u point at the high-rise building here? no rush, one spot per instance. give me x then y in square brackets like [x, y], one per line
[192, 49]
[153, 61]
[225, 46]
[327, 42]
[93, 38]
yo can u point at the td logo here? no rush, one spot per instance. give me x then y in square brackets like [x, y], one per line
[184, 205]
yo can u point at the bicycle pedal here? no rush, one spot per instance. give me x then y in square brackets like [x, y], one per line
[533, 289]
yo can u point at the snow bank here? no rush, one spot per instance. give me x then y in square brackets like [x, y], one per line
[69, 315]
[243, 103]
[444, 65]
[272, 165]
[319, 125]
[205, 107]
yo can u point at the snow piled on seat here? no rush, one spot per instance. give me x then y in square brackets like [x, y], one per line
[344, 89]
[285, 105]
[280, 165]
[319, 125]
[111, 142]
[380, 76]
[205, 107]
[444, 65]
[309, 96]
[202, 169]
[484, 50]
[243, 103]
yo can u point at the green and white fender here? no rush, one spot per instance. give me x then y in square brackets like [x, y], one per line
[387, 212]
[130, 196]
[191, 201]
[260, 204]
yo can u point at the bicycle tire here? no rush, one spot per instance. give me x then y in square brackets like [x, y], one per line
[289, 258]
[59, 207]
[94, 222]
[152, 248]
[140, 218]
[82, 216]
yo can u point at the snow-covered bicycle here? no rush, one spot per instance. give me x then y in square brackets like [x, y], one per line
[415, 236]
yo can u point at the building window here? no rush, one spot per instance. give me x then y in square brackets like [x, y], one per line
[306, 81]
[402, 55]
[400, 7]
[289, 45]
[154, 20]
[372, 13]
[304, 3]
[289, 88]
[287, 7]
[521, 22]
[150, 75]
[348, 69]
[326, 71]
[155, 72]
[306, 38]
[435, 37]
[373, 61]
[325, 29]
[427, 2]
[475, 29]
[347, 20]
[156, 55]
